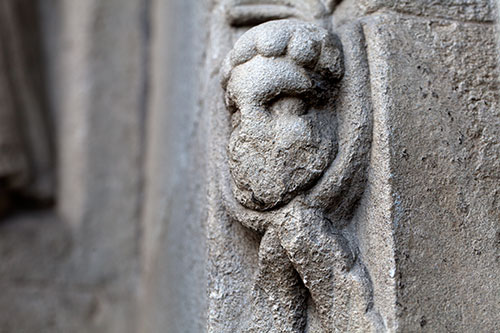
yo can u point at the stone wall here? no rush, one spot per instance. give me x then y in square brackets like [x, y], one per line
[189, 166]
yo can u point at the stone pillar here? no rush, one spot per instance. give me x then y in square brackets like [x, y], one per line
[435, 87]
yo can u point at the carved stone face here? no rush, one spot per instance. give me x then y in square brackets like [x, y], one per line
[283, 125]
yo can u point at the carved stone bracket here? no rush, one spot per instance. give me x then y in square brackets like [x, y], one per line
[296, 160]
[248, 13]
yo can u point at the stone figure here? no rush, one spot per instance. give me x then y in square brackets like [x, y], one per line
[281, 81]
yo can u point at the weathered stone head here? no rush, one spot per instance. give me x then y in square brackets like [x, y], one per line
[280, 82]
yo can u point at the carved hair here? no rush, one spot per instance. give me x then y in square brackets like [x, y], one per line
[305, 44]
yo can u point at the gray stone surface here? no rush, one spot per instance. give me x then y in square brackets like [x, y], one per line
[377, 225]
[346, 183]
[99, 93]
[467, 10]
[280, 142]
[314, 221]
[37, 295]
[102, 106]
[248, 13]
[172, 293]
[436, 82]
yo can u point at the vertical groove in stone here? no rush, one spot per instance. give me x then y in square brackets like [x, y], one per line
[378, 235]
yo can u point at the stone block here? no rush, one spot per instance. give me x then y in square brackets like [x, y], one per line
[465, 10]
[435, 87]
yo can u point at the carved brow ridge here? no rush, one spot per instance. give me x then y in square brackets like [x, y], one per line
[249, 15]
[265, 78]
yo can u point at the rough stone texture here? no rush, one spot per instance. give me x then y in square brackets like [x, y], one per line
[461, 10]
[283, 127]
[304, 237]
[468, 10]
[380, 217]
[250, 13]
[146, 234]
[436, 82]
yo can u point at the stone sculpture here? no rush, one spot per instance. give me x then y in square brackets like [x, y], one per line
[253, 12]
[289, 182]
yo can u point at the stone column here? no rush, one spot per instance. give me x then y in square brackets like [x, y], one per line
[434, 79]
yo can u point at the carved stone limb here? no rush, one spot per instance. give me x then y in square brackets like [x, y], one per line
[338, 284]
[286, 175]
[282, 287]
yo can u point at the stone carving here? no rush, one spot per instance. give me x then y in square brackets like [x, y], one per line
[280, 144]
[289, 181]
[254, 12]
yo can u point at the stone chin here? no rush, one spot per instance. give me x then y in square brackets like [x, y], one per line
[272, 162]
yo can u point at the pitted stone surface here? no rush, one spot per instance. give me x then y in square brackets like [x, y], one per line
[254, 12]
[278, 82]
[437, 84]
[467, 10]
[282, 98]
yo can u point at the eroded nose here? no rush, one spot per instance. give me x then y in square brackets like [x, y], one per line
[289, 106]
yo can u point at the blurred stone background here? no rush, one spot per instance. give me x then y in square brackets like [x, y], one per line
[104, 163]
[97, 117]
